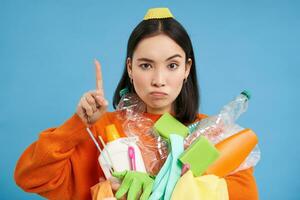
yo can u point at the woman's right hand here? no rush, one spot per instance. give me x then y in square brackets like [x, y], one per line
[93, 105]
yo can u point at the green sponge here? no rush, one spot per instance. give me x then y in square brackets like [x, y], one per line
[167, 125]
[200, 155]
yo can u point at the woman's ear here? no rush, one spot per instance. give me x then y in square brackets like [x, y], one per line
[129, 67]
[188, 66]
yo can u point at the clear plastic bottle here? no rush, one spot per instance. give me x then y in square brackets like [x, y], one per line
[130, 103]
[135, 124]
[214, 127]
[232, 111]
[219, 127]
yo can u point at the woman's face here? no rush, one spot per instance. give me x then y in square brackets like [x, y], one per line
[158, 70]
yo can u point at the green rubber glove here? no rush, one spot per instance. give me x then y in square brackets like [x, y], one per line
[132, 183]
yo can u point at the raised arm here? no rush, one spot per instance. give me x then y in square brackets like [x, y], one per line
[62, 163]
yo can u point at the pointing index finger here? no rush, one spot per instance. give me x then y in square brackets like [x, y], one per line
[99, 82]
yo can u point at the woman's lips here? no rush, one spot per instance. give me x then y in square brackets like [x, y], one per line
[158, 94]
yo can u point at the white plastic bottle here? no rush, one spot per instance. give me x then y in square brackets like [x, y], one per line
[115, 154]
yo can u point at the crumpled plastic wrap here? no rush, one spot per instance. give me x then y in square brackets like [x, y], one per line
[153, 147]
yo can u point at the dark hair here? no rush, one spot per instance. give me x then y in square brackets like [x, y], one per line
[187, 103]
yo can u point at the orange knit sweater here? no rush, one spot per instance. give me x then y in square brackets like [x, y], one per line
[62, 164]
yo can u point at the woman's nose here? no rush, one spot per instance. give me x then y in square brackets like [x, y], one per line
[158, 79]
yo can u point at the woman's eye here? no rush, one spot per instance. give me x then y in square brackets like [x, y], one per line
[145, 66]
[173, 66]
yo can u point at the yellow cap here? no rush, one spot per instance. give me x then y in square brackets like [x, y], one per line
[111, 133]
[158, 13]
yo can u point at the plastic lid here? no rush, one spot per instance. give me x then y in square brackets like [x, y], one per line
[247, 94]
[111, 133]
[123, 91]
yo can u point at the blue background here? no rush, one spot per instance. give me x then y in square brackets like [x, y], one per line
[46, 63]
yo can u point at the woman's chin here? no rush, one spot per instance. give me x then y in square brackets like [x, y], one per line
[158, 108]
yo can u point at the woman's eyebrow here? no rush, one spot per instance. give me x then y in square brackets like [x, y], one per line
[152, 61]
[176, 55]
[146, 60]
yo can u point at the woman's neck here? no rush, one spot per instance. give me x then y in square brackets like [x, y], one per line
[159, 111]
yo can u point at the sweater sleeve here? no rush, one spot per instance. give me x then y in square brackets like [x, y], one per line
[242, 186]
[55, 165]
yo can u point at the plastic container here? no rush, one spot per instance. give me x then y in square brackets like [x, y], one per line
[153, 147]
[215, 127]
[116, 152]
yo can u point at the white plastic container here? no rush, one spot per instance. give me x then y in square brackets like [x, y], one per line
[115, 154]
